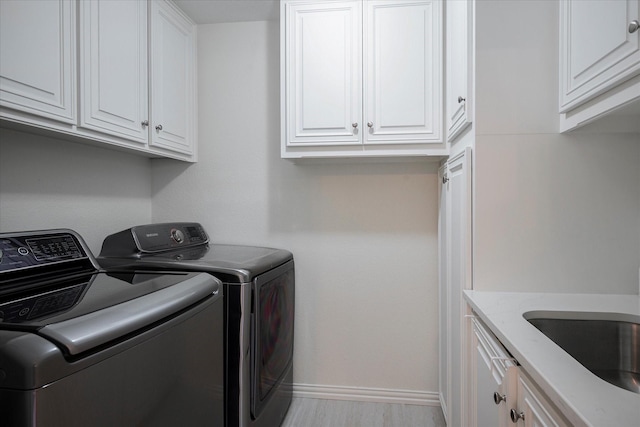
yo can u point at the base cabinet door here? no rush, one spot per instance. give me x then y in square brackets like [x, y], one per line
[495, 380]
[38, 62]
[533, 409]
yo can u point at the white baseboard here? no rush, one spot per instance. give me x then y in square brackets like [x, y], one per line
[360, 394]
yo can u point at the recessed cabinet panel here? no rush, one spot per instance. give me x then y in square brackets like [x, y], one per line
[361, 78]
[172, 79]
[114, 68]
[533, 409]
[597, 50]
[459, 73]
[37, 71]
[324, 100]
[403, 93]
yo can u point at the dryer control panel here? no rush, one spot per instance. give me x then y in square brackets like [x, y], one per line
[154, 238]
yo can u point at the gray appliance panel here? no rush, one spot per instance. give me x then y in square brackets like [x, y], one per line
[230, 263]
[165, 376]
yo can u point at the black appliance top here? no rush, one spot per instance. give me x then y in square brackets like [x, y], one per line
[185, 247]
[49, 285]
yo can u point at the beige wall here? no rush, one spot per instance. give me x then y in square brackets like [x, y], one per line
[50, 183]
[554, 213]
[364, 235]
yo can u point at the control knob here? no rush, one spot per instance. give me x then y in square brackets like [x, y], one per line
[177, 236]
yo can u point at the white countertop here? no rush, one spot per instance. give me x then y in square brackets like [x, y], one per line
[582, 397]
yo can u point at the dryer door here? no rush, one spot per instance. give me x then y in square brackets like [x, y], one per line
[273, 333]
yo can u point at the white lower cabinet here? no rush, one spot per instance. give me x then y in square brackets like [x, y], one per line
[533, 409]
[502, 394]
[494, 387]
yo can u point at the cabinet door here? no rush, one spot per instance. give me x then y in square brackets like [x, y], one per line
[458, 264]
[597, 48]
[113, 68]
[322, 73]
[459, 30]
[403, 71]
[444, 371]
[533, 410]
[37, 66]
[494, 391]
[173, 82]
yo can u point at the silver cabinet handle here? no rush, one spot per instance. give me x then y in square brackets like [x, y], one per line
[145, 123]
[461, 100]
[633, 26]
[159, 127]
[354, 125]
[497, 398]
[515, 416]
[370, 124]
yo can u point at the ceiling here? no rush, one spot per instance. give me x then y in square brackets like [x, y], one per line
[217, 11]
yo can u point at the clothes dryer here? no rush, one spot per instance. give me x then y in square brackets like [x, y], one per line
[259, 294]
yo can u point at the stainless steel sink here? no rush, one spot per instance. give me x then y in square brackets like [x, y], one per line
[608, 348]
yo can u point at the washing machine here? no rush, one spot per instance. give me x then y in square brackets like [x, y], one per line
[82, 347]
[259, 295]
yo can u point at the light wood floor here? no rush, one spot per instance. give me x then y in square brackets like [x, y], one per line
[341, 413]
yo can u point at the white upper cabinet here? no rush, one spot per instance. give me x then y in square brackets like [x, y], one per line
[38, 59]
[136, 81]
[324, 93]
[599, 58]
[361, 78]
[403, 81]
[173, 80]
[459, 30]
[113, 68]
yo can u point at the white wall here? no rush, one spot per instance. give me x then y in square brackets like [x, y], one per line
[555, 213]
[50, 183]
[364, 236]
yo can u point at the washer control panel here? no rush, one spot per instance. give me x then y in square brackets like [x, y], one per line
[31, 250]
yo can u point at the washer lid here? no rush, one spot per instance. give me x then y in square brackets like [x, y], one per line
[84, 313]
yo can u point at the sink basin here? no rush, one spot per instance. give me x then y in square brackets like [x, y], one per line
[609, 349]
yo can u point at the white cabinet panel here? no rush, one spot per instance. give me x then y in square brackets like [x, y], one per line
[598, 50]
[361, 78]
[455, 276]
[444, 369]
[459, 15]
[173, 111]
[37, 70]
[533, 409]
[495, 388]
[113, 73]
[324, 97]
[403, 71]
